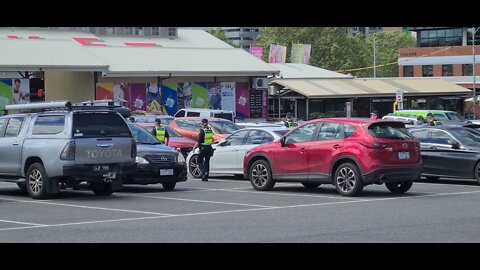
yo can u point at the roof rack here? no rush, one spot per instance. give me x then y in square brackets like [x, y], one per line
[115, 104]
[40, 106]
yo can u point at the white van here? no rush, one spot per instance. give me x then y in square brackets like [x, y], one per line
[206, 113]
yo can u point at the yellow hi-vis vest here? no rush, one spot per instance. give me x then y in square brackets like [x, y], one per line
[160, 132]
[208, 138]
[292, 124]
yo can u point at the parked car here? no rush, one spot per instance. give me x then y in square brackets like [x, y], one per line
[206, 113]
[150, 118]
[440, 115]
[156, 162]
[449, 151]
[349, 153]
[42, 150]
[229, 153]
[190, 127]
[176, 140]
[409, 121]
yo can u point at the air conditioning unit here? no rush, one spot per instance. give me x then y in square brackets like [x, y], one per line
[259, 83]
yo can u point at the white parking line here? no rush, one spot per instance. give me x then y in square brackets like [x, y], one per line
[92, 207]
[441, 184]
[202, 201]
[240, 210]
[18, 222]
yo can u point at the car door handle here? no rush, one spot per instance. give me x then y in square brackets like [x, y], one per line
[336, 146]
[15, 143]
[302, 149]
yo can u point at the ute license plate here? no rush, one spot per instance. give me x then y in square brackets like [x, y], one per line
[403, 155]
[166, 171]
[101, 168]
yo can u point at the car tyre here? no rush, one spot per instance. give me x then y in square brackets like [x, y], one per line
[310, 185]
[348, 180]
[399, 187]
[101, 189]
[477, 173]
[36, 181]
[169, 186]
[260, 175]
[194, 168]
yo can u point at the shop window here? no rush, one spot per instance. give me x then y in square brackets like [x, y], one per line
[447, 70]
[407, 71]
[467, 70]
[427, 71]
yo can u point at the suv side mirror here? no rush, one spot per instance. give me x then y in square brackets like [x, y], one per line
[282, 141]
[454, 144]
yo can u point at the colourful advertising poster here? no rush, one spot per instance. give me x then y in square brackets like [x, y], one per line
[242, 100]
[169, 97]
[37, 90]
[272, 54]
[264, 103]
[297, 54]
[308, 49]
[199, 95]
[5, 93]
[214, 96]
[228, 96]
[122, 91]
[138, 97]
[257, 51]
[104, 91]
[21, 91]
[184, 95]
[154, 97]
[282, 54]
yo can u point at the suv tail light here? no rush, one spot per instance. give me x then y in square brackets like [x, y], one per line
[133, 152]
[379, 146]
[68, 152]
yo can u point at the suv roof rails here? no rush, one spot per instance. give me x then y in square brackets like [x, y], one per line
[106, 104]
[39, 106]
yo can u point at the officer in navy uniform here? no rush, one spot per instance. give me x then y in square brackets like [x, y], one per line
[290, 123]
[204, 142]
[160, 132]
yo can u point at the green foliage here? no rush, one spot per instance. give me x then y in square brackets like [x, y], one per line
[334, 49]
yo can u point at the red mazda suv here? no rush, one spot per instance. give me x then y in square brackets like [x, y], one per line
[349, 153]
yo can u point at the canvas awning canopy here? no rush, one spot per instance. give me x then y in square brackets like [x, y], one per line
[371, 87]
[46, 55]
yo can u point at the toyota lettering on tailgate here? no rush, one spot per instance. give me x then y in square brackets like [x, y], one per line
[105, 153]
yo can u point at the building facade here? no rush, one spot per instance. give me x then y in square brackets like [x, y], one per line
[243, 37]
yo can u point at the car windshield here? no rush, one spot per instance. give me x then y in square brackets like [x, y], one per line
[281, 132]
[224, 127]
[454, 116]
[142, 136]
[390, 131]
[467, 136]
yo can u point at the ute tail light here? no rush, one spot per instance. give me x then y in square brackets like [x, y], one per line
[68, 152]
[379, 146]
[133, 151]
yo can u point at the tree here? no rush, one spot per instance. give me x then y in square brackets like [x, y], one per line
[218, 33]
[333, 49]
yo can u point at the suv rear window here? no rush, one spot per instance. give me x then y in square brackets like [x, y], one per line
[99, 124]
[49, 124]
[390, 131]
[227, 116]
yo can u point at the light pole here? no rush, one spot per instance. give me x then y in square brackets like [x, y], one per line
[374, 59]
[474, 31]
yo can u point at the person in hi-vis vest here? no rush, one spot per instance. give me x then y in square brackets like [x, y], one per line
[204, 142]
[160, 132]
[290, 123]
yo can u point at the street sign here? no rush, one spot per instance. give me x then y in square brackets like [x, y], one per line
[399, 95]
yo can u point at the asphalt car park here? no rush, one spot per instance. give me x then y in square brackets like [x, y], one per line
[229, 210]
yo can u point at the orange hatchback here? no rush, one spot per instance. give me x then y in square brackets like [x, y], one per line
[190, 127]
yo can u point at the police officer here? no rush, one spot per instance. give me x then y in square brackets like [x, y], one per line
[204, 142]
[431, 120]
[160, 132]
[290, 123]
